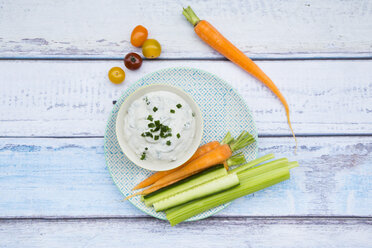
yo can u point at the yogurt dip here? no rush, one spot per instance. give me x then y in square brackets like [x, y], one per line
[159, 125]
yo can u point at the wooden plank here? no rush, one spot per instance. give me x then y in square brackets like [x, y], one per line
[64, 98]
[68, 177]
[231, 232]
[101, 29]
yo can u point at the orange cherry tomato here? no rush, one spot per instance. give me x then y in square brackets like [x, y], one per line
[116, 75]
[139, 35]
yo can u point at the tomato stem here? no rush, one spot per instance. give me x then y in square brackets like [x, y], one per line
[191, 16]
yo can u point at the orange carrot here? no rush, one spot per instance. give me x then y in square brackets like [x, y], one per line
[216, 40]
[156, 176]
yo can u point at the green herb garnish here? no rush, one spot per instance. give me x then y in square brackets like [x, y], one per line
[155, 109]
[169, 143]
[173, 111]
[146, 100]
[148, 134]
[156, 137]
[150, 125]
[143, 156]
[178, 135]
[150, 118]
[179, 105]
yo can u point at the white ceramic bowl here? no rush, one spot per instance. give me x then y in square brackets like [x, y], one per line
[160, 165]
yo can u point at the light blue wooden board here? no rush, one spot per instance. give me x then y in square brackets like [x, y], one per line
[68, 177]
[101, 29]
[74, 98]
[212, 232]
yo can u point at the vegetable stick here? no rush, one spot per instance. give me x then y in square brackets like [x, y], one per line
[156, 176]
[216, 40]
[180, 213]
[206, 189]
[188, 183]
[216, 156]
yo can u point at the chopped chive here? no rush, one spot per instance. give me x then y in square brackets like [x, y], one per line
[146, 100]
[155, 109]
[193, 114]
[179, 105]
[143, 134]
[150, 125]
[178, 135]
[156, 137]
[169, 143]
[146, 148]
[150, 118]
[172, 111]
[148, 134]
[155, 129]
[143, 156]
[157, 123]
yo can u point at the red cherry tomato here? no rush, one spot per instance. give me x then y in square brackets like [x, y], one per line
[132, 61]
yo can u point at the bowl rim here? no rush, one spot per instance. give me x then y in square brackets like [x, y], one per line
[159, 166]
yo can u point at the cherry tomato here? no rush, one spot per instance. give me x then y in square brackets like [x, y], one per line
[151, 49]
[116, 75]
[139, 35]
[132, 61]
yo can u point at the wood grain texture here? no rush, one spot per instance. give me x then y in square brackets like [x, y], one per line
[262, 29]
[68, 178]
[64, 98]
[213, 232]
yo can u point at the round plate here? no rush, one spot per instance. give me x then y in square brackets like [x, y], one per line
[223, 110]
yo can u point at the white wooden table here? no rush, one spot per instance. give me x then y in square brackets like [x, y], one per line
[55, 190]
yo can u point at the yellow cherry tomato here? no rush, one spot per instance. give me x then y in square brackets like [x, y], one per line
[151, 49]
[116, 75]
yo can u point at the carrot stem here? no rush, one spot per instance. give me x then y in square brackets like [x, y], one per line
[191, 16]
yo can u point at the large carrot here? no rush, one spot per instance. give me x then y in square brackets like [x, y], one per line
[217, 156]
[216, 40]
[156, 176]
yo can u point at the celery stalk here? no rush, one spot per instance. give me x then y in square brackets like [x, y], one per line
[209, 188]
[200, 178]
[252, 163]
[247, 186]
[252, 172]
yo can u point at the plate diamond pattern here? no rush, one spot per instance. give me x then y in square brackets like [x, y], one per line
[223, 110]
